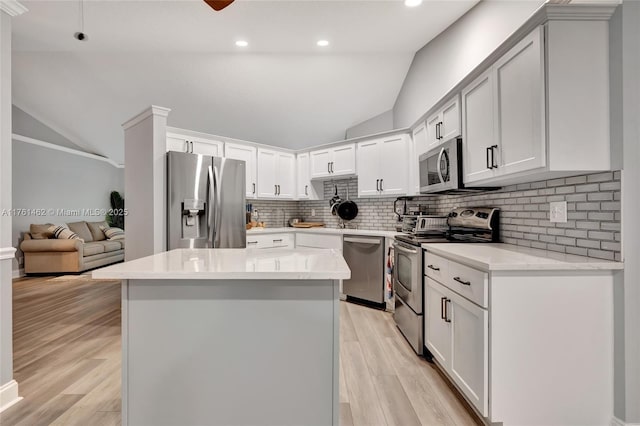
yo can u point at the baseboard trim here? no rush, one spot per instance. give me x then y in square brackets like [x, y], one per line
[9, 395]
[17, 273]
[617, 422]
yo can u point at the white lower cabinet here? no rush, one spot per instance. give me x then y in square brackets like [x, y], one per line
[285, 240]
[456, 334]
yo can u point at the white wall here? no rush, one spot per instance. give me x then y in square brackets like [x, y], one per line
[27, 125]
[46, 178]
[379, 123]
[447, 59]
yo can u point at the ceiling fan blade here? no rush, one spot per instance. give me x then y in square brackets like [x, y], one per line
[218, 5]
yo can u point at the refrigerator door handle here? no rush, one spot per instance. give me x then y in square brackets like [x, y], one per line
[211, 218]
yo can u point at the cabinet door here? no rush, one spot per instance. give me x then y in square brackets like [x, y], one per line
[520, 106]
[420, 139]
[267, 163]
[305, 189]
[344, 160]
[478, 127]
[177, 143]
[450, 127]
[437, 332]
[469, 350]
[320, 163]
[433, 131]
[369, 168]
[394, 173]
[286, 175]
[247, 154]
[207, 147]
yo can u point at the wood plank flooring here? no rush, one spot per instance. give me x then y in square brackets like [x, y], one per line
[67, 362]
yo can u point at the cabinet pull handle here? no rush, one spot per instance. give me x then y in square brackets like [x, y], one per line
[461, 282]
[275, 189]
[378, 185]
[306, 190]
[493, 166]
[488, 155]
[328, 167]
[191, 146]
[443, 307]
[446, 311]
[332, 167]
[186, 146]
[254, 188]
[279, 240]
[252, 242]
[278, 189]
[433, 267]
[437, 131]
[381, 187]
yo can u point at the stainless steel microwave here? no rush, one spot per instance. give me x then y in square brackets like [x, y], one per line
[441, 170]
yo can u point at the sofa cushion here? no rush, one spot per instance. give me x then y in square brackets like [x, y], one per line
[96, 231]
[40, 231]
[113, 233]
[82, 230]
[111, 246]
[63, 233]
[90, 249]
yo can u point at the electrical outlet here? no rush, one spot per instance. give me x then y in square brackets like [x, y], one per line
[558, 211]
[313, 212]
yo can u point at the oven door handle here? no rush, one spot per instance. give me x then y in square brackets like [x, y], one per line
[405, 250]
[438, 165]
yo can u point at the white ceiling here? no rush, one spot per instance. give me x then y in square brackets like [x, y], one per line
[282, 90]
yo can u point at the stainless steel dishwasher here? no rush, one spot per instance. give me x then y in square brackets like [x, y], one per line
[365, 257]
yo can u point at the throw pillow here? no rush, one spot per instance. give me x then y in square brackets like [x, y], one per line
[62, 232]
[113, 233]
[40, 232]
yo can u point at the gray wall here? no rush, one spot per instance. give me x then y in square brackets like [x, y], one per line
[447, 59]
[49, 179]
[379, 123]
[26, 125]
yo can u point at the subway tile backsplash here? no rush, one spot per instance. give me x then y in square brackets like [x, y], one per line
[592, 228]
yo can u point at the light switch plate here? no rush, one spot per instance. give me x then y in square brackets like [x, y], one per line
[558, 211]
[313, 212]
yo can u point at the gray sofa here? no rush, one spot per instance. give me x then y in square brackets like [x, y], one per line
[46, 255]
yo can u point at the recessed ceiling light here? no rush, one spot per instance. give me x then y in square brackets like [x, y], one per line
[242, 43]
[412, 3]
[323, 43]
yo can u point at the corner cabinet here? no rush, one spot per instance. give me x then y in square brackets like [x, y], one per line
[541, 110]
[333, 162]
[382, 166]
[276, 174]
[194, 145]
[246, 153]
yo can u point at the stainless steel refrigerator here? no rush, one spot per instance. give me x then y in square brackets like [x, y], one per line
[206, 202]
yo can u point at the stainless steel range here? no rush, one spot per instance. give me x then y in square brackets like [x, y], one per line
[462, 225]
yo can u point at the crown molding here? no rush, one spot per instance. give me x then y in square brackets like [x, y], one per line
[580, 12]
[148, 112]
[12, 7]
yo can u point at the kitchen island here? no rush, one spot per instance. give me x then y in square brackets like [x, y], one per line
[230, 336]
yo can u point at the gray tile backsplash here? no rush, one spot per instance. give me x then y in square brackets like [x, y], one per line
[593, 204]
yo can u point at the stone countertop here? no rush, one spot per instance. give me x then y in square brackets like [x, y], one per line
[507, 257]
[233, 264]
[326, 231]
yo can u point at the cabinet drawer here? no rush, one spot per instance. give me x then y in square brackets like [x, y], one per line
[468, 282]
[282, 240]
[270, 241]
[435, 267]
[319, 241]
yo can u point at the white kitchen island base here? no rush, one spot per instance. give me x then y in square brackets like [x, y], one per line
[232, 350]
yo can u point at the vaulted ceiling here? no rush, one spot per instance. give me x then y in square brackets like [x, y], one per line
[282, 89]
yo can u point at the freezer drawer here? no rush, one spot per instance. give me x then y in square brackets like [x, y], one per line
[365, 257]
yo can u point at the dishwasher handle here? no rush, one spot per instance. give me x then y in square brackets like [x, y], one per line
[376, 241]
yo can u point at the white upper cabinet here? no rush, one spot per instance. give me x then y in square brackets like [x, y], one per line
[531, 115]
[383, 166]
[444, 124]
[194, 145]
[304, 188]
[246, 153]
[333, 162]
[276, 174]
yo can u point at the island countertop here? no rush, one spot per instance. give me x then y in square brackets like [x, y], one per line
[508, 257]
[235, 264]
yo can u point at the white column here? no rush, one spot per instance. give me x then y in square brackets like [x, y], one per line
[145, 145]
[8, 386]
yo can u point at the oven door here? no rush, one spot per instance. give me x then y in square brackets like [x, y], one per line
[407, 275]
[439, 168]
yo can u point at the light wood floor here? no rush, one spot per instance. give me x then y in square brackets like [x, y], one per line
[67, 362]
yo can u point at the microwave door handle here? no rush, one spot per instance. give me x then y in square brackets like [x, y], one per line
[438, 165]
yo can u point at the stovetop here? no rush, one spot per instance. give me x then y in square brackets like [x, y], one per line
[445, 237]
